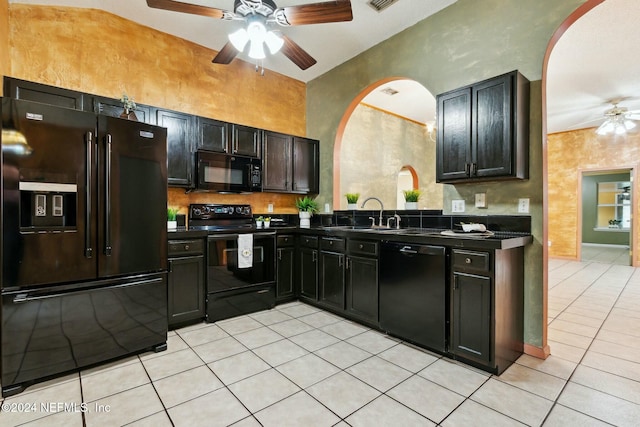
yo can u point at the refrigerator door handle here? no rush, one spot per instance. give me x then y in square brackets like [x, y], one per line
[88, 248]
[25, 297]
[107, 189]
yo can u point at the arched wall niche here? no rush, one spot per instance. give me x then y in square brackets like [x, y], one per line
[373, 145]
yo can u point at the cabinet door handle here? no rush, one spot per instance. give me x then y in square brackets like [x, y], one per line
[467, 169]
[88, 248]
[474, 169]
[455, 282]
[467, 261]
[314, 256]
[340, 261]
[279, 254]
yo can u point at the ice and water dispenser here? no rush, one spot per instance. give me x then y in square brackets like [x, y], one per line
[47, 203]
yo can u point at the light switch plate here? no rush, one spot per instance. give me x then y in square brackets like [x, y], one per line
[481, 200]
[270, 207]
[523, 205]
[457, 206]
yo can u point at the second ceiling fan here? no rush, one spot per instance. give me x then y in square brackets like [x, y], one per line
[260, 15]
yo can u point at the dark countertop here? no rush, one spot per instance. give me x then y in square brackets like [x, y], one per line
[500, 240]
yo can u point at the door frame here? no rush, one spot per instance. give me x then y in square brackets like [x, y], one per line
[633, 238]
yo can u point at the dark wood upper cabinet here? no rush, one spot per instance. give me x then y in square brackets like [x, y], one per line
[180, 130]
[290, 164]
[45, 94]
[213, 135]
[276, 162]
[246, 141]
[483, 131]
[113, 107]
[306, 164]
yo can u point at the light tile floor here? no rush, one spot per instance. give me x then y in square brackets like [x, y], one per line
[299, 366]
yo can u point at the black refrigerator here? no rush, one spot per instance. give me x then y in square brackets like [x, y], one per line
[84, 240]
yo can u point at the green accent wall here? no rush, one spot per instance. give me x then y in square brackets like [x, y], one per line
[469, 41]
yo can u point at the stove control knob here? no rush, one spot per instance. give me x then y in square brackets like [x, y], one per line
[238, 209]
[197, 211]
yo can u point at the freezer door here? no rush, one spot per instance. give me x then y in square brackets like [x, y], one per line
[58, 329]
[132, 225]
[48, 207]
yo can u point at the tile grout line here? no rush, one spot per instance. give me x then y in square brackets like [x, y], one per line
[555, 402]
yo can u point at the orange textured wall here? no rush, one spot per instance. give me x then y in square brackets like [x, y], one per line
[569, 154]
[97, 52]
[5, 58]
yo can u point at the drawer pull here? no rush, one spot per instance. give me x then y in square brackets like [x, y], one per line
[186, 247]
[467, 260]
[360, 246]
[330, 242]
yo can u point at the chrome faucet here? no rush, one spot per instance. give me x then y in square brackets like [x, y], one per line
[381, 209]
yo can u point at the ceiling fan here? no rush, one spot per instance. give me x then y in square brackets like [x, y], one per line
[618, 120]
[259, 16]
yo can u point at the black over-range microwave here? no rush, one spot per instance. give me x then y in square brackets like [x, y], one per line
[227, 173]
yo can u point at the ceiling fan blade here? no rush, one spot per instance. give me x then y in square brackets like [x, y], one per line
[226, 54]
[634, 116]
[315, 13]
[195, 9]
[296, 54]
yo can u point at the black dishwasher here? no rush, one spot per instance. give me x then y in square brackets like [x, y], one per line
[413, 295]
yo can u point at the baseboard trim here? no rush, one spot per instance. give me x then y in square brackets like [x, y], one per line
[539, 352]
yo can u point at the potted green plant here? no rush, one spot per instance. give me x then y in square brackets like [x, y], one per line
[259, 221]
[352, 200]
[306, 207]
[411, 198]
[129, 105]
[171, 218]
[267, 221]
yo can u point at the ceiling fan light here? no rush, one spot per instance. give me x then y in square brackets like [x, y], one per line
[257, 32]
[629, 124]
[274, 43]
[605, 128]
[239, 39]
[256, 50]
[620, 130]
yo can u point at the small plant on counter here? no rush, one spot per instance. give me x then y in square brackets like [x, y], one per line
[352, 198]
[307, 204]
[171, 213]
[260, 218]
[412, 195]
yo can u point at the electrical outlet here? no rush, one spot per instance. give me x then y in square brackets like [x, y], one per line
[457, 206]
[270, 207]
[523, 205]
[481, 200]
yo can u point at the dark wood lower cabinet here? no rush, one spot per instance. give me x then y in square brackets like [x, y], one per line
[471, 317]
[331, 286]
[285, 268]
[309, 273]
[186, 282]
[362, 288]
[487, 304]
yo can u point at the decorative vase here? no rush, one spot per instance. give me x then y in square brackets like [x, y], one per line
[305, 219]
[267, 224]
[172, 225]
[410, 205]
[352, 206]
[129, 115]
